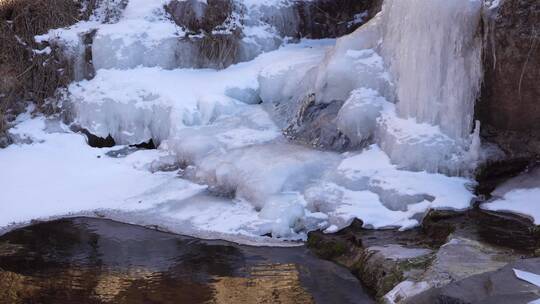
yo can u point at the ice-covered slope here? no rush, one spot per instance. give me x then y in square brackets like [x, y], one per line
[221, 130]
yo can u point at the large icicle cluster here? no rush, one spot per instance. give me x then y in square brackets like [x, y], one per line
[430, 70]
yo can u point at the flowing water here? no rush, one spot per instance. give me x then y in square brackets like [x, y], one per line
[85, 260]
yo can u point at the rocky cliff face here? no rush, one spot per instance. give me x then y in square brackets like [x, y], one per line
[509, 107]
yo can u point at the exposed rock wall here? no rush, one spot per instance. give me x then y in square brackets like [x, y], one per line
[509, 107]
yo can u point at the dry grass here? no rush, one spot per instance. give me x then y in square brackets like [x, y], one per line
[26, 75]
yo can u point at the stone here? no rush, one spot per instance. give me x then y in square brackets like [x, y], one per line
[493, 173]
[509, 105]
[456, 260]
[383, 267]
[333, 18]
[196, 16]
[316, 126]
[509, 230]
[493, 287]
[461, 258]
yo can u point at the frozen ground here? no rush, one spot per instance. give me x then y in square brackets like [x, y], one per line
[223, 168]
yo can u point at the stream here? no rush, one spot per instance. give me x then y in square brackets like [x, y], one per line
[89, 260]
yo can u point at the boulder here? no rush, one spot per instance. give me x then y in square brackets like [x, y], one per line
[333, 18]
[509, 105]
[509, 230]
[316, 126]
[196, 16]
[493, 287]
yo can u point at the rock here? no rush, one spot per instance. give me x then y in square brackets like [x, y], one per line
[509, 230]
[196, 16]
[318, 18]
[509, 107]
[316, 126]
[461, 258]
[493, 173]
[458, 259]
[327, 247]
[450, 246]
[94, 140]
[494, 287]
[379, 258]
[381, 268]
[439, 224]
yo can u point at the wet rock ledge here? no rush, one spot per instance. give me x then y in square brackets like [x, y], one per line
[453, 257]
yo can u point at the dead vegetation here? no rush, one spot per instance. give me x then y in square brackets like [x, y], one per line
[27, 75]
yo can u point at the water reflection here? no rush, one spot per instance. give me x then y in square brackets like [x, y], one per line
[86, 260]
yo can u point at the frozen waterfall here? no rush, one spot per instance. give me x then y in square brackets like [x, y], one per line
[399, 90]
[433, 49]
[422, 56]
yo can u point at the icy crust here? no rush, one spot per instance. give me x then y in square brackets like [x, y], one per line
[139, 104]
[241, 194]
[367, 186]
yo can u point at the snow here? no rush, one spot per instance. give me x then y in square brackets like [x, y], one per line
[518, 195]
[405, 289]
[157, 103]
[528, 276]
[59, 173]
[367, 186]
[239, 193]
[223, 169]
[521, 201]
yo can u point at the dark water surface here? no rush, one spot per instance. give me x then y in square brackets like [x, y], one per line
[85, 260]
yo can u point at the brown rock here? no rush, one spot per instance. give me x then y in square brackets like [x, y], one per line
[508, 230]
[334, 18]
[509, 107]
[196, 15]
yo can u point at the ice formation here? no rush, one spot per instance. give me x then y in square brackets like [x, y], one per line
[407, 85]
[436, 65]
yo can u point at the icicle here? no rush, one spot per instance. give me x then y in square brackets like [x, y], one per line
[434, 54]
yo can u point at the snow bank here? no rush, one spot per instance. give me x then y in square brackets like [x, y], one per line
[59, 173]
[519, 195]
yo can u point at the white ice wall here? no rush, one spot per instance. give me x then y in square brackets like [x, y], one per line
[433, 49]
